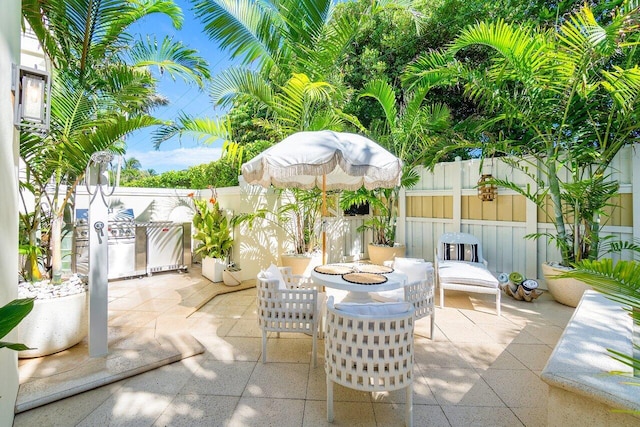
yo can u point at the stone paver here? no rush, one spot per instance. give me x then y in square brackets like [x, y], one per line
[479, 370]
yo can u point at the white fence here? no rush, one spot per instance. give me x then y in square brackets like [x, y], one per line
[504, 243]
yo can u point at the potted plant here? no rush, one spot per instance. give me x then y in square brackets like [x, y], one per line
[406, 130]
[45, 329]
[299, 217]
[383, 204]
[213, 231]
[561, 103]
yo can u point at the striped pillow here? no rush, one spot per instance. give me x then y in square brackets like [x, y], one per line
[461, 252]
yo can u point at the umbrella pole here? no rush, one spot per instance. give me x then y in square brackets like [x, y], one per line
[324, 214]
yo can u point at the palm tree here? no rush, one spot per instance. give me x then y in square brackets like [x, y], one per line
[278, 41]
[409, 129]
[563, 100]
[102, 89]
[279, 36]
[298, 105]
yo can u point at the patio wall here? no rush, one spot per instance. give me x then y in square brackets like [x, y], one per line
[443, 200]
[446, 200]
[254, 248]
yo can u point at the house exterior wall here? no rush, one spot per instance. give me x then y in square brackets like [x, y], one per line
[9, 54]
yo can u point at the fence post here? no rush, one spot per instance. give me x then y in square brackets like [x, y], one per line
[635, 188]
[531, 227]
[456, 187]
[401, 224]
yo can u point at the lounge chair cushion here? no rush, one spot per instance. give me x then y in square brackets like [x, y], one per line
[466, 273]
[460, 252]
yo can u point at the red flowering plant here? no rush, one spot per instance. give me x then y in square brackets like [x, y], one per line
[212, 227]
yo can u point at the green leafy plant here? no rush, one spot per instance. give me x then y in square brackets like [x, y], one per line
[408, 128]
[561, 102]
[10, 316]
[213, 228]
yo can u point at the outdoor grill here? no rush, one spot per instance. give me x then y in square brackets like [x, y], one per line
[135, 248]
[168, 245]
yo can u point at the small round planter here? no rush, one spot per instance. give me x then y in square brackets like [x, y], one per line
[54, 325]
[232, 277]
[379, 254]
[567, 291]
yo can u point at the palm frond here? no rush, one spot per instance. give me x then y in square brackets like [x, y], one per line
[240, 81]
[382, 92]
[434, 68]
[205, 130]
[172, 57]
[244, 27]
[619, 282]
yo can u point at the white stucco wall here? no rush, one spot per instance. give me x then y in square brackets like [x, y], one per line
[9, 53]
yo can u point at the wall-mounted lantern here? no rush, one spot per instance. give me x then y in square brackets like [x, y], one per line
[487, 192]
[32, 91]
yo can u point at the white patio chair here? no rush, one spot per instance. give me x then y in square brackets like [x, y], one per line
[461, 267]
[420, 290]
[286, 306]
[369, 347]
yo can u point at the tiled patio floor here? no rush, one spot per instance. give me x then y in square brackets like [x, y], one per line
[480, 369]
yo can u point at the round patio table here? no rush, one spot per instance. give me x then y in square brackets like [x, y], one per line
[358, 292]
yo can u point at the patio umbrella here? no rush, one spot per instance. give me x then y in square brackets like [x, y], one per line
[327, 160]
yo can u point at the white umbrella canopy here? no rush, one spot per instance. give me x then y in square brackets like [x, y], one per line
[325, 159]
[347, 160]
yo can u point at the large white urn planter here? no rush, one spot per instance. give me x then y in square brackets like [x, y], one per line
[301, 264]
[567, 291]
[212, 268]
[378, 254]
[54, 324]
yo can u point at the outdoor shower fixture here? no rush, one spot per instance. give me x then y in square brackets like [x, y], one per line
[32, 92]
[99, 188]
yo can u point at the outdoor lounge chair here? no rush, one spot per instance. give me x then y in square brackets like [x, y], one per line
[461, 267]
[369, 347]
[287, 305]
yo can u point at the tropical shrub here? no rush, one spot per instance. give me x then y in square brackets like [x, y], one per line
[564, 101]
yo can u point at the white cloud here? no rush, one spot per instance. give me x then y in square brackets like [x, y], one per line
[178, 159]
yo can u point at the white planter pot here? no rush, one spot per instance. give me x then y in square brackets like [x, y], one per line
[301, 264]
[232, 278]
[54, 325]
[567, 291]
[212, 268]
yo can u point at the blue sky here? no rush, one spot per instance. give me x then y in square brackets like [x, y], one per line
[179, 154]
